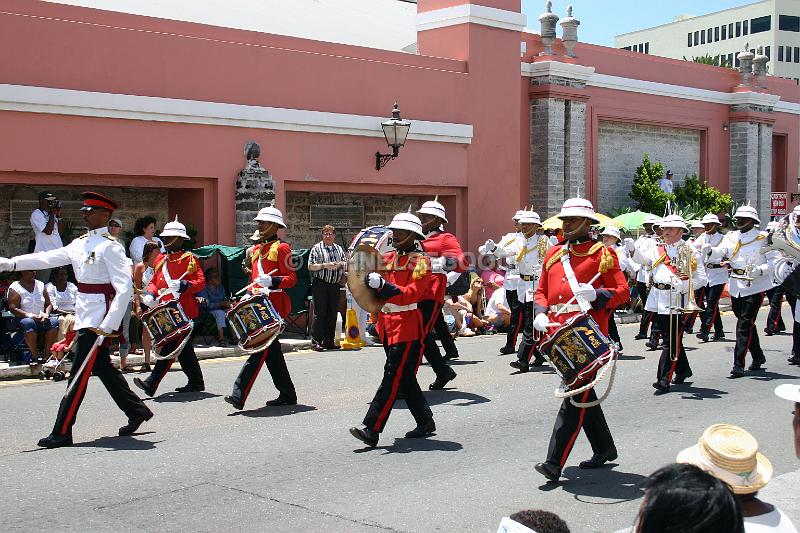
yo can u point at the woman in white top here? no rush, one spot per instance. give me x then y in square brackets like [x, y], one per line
[142, 274]
[145, 230]
[62, 294]
[28, 300]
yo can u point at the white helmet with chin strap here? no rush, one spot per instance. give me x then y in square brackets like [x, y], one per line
[408, 222]
[433, 207]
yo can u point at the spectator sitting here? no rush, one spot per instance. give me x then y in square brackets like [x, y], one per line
[47, 228]
[731, 454]
[498, 315]
[682, 498]
[492, 276]
[473, 301]
[62, 294]
[144, 230]
[791, 392]
[216, 301]
[28, 300]
[534, 521]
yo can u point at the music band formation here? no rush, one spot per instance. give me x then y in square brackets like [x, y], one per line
[562, 295]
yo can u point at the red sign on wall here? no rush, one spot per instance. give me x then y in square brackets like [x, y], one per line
[779, 203]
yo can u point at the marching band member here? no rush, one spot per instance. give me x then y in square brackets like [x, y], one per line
[611, 240]
[775, 298]
[528, 255]
[717, 275]
[696, 230]
[567, 270]
[644, 243]
[788, 278]
[668, 284]
[176, 275]
[105, 287]
[750, 276]
[271, 255]
[247, 261]
[404, 284]
[447, 261]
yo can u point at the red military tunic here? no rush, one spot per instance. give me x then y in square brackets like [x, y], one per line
[410, 273]
[442, 244]
[585, 258]
[275, 254]
[177, 265]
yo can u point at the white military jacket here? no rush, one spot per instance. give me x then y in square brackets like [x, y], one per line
[96, 257]
[511, 241]
[659, 300]
[643, 244]
[741, 249]
[526, 255]
[717, 275]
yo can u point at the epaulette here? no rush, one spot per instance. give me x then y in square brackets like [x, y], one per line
[111, 238]
[596, 246]
[85, 235]
[555, 257]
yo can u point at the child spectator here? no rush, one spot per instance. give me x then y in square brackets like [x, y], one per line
[216, 301]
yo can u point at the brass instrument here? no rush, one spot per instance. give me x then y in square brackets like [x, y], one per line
[784, 241]
[685, 264]
[748, 271]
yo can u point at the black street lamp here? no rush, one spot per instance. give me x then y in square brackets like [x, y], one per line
[395, 130]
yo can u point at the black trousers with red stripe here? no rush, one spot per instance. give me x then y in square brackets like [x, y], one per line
[690, 318]
[613, 332]
[711, 314]
[746, 310]
[188, 361]
[273, 358]
[431, 316]
[399, 375]
[99, 365]
[568, 425]
[774, 318]
[674, 346]
[647, 316]
[515, 323]
[529, 347]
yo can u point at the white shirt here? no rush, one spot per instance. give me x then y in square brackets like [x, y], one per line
[529, 263]
[511, 279]
[716, 276]
[660, 300]
[137, 247]
[772, 522]
[666, 185]
[44, 242]
[30, 302]
[96, 258]
[498, 298]
[644, 243]
[63, 301]
[749, 252]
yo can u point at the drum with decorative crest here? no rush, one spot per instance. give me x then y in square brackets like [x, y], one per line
[167, 323]
[256, 322]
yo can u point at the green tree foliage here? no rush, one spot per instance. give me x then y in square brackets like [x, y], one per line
[645, 191]
[700, 197]
[708, 59]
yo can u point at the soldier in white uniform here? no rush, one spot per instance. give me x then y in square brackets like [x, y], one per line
[751, 275]
[697, 230]
[644, 243]
[528, 253]
[667, 289]
[774, 296]
[105, 287]
[612, 240]
[717, 275]
[787, 276]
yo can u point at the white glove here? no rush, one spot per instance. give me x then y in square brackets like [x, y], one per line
[541, 322]
[437, 264]
[490, 245]
[264, 280]
[174, 286]
[374, 280]
[705, 249]
[6, 265]
[148, 300]
[760, 270]
[586, 292]
[452, 277]
[629, 245]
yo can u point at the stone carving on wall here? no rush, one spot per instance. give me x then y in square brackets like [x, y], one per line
[255, 188]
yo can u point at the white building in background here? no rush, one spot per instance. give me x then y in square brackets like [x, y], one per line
[771, 24]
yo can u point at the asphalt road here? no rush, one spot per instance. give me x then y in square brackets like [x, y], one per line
[200, 466]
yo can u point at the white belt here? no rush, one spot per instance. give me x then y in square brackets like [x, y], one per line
[571, 308]
[393, 308]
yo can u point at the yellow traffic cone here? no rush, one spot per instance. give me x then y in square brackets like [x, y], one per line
[352, 335]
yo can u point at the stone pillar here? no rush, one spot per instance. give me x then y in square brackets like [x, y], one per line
[750, 168]
[255, 189]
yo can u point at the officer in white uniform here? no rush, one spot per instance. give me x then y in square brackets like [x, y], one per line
[717, 275]
[668, 289]
[643, 244]
[787, 276]
[697, 230]
[105, 287]
[751, 274]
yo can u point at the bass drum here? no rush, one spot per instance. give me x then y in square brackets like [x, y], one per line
[378, 237]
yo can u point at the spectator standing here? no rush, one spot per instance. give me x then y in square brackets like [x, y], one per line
[28, 301]
[126, 343]
[492, 276]
[217, 302]
[666, 183]
[142, 274]
[144, 230]
[47, 228]
[326, 264]
[62, 294]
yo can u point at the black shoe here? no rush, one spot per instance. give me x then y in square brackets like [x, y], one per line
[55, 441]
[234, 402]
[651, 345]
[769, 333]
[519, 365]
[505, 350]
[441, 381]
[366, 435]
[548, 470]
[661, 386]
[449, 356]
[756, 365]
[317, 347]
[718, 336]
[599, 459]
[677, 380]
[425, 430]
[794, 360]
[537, 361]
[142, 385]
[737, 372]
[200, 387]
[331, 347]
[703, 336]
[282, 400]
[145, 368]
[134, 423]
[689, 330]
[640, 337]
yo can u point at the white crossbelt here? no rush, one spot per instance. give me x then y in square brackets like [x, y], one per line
[572, 308]
[393, 308]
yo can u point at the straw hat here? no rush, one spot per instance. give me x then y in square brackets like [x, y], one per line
[730, 454]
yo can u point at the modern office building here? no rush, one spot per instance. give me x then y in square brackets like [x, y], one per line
[773, 25]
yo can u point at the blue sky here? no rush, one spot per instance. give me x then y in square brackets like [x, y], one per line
[602, 19]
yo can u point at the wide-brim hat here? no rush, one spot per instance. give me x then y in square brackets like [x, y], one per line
[787, 391]
[746, 211]
[696, 224]
[433, 207]
[710, 218]
[578, 207]
[673, 221]
[613, 231]
[174, 229]
[270, 214]
[730, 454]
[651, 219]
[530, 217]
[407, 221]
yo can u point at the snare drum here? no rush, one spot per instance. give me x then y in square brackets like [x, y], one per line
[379, 237]
[167, 323]
[577, 350]
[255, 322]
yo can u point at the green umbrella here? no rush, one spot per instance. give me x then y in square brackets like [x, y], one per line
[631, 221]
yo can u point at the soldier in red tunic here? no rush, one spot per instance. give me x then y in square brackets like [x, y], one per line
[271, 255]
[406, 282]
[568, 269]
[177, 274]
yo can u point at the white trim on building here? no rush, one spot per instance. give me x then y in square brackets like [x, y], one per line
[471, 14]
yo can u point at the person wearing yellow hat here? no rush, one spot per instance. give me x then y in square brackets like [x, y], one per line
[730, 454]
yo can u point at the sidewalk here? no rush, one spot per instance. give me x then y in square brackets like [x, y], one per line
[290, 343]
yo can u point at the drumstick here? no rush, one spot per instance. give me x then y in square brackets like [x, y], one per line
[253, 284]
[167, 291]
[563, 307]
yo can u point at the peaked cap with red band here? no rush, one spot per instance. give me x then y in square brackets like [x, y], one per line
[93, 200]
